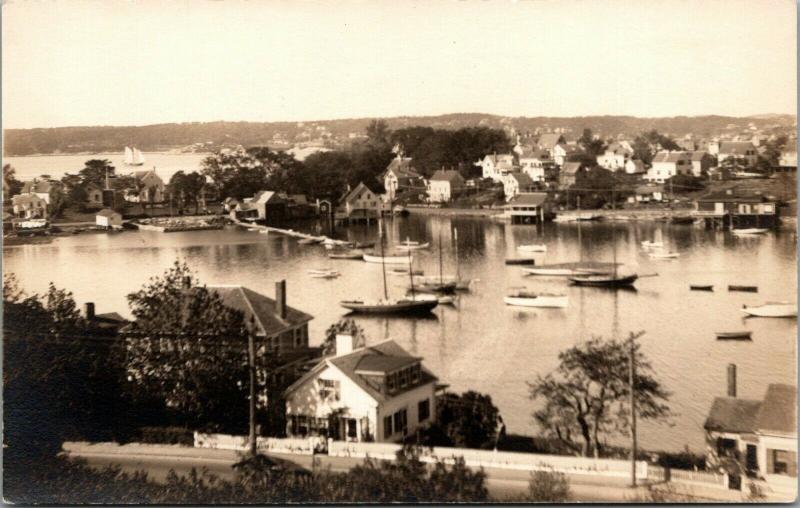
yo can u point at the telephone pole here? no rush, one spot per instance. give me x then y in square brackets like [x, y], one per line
[251, 363]
[631, 382]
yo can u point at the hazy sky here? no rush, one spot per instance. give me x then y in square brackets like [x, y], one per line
[108, 62]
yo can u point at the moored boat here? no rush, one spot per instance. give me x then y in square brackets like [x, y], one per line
[603, 280]
[664, 255]
[746, 289]
[749, 231]
[442, 299]
[772, 309]
[701, 287]
[308, 241]
[741, 335]
[525, 298]
[401, 306]
[445, 287]
[417, 246]
[347, 254]
[532, 248]
[567, 269]
[521, 261]
[389, 260]
[404, 271]
[647, 244]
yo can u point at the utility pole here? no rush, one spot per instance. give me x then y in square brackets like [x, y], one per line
[631, 378]
[251, 361]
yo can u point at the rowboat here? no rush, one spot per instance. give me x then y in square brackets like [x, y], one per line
[524, 298]
[772, 309]
[446, 287]
[401, 306]
[701, 287]
[349, 254]
[442, 299]
[664, 255]
[742, 335]
[389, 260]
[746, 289]
[329, 275]
[647, 244]
[404, 271]
[521, 261]
[567, 269]
[603, 280]
[588, 217]
[532, 248]
[749, 231]
[418, 246]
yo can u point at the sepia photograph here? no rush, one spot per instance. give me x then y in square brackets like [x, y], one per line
[356, 251]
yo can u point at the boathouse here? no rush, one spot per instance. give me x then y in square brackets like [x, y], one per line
[377, 393]
[528, 208]
[266, 206]
[359, 204]
[731, 208]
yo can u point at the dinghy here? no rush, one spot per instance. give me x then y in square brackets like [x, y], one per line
[609, 280]
[701, 287]
[532, 248]
[749, 231]
[647, 244]
[418, 246]
[348, 254]
[664, 255]
[521, 261]
[389, 260]
[746, 289]
[772, 309]
[525, 298]
[742, 335]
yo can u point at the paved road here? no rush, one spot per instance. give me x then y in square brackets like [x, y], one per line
[502, 483]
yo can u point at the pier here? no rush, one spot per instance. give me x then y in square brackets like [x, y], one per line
[291, 232]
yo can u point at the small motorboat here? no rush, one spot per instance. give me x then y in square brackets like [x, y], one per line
[415, 246]
[401, 306]
[603, 280]
[664, 255]
[746, 289]
[701, 287]
[521, 261]
[647, 244]
[749, 231]
[742, 335]
[772, 309]
[389, 260]
[324, 273]
[525, 298]
[532, 248]
[348, 254]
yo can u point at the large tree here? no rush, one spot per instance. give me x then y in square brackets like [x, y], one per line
[591, 145]
[11, 186]
[242, 172]
[95, 170]
[469, 420]
[586, 398]
[189, 349]
[187, 188]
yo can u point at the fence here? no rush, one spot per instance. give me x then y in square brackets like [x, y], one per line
[502, 460]
[268, 444]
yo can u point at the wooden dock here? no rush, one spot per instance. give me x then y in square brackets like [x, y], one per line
[291, 232]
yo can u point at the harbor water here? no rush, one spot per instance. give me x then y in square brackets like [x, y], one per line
[480, 343]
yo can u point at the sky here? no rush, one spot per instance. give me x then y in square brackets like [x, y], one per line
[114, 62]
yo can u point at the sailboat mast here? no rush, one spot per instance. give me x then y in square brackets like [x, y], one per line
[441, 279]
[383, 261]
[455, 238]
[411, 273]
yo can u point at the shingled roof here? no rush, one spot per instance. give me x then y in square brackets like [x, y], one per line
[778, 412]
[261, 308]
[729, 414]
[671, 156]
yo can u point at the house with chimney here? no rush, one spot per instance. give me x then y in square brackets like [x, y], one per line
[496, 166]
[535, 163]
[359, 204]
[150, 187]
[667, 164]
[738, 151]
[755, 439]
[39, 188]
[29, 206]
[370, 393]
[400, 176]
[445, 185]
[516, 182]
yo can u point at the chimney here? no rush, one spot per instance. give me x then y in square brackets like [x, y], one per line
[88, 311]
[732, 380]
[280, 298]
[345, 343]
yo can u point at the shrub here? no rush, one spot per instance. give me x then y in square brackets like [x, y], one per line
[548, 487]
[166, 435]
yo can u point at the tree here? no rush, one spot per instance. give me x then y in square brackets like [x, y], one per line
[586, 397]
[548, 487]
[327, 173]
[469, 420]
[188, 187]
[590, 144]
[189, 349]
[94, 171]
[11, 186]
[241, 173]
[58, 200]
[378, 132]
[344, 326]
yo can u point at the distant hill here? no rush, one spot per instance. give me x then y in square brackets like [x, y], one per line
[337, 132]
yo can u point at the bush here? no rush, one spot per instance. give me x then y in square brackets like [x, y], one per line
[548, 487]
[166, 435]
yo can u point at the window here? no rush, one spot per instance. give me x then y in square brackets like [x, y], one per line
[781, 461]
[424, 410]
[400, 421]
[387, 427]
[328, 388]
[403, 378]
[390, 382]
[415, 374]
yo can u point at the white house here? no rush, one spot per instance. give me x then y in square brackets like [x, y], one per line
[40, 188]
[29, 206]
[516, 182]
[562, 151]
[548, 141]
[376, 393]
[634, 167]
[757, 436]
[444, 185]
[108, 218]
[668, 164]
[740, 150]
[534, 163]
[400, 175]
[495, 166]
[616, 156]
[788, 159]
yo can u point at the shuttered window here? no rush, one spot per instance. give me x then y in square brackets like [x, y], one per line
[387, 427]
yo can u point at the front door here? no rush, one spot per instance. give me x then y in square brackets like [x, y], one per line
[751, 460]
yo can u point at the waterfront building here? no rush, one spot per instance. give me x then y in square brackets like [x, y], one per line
[649, 193]
[400, 176]
[528, 208]
[445, 185]
[108, 218]
[534, 163]
[376, 393]
[756, 437]
[36, 187]
[29, 206]
[516, 182]
[732, 208]
[266, 206]
[151, 187]
[359, 204]
[668, 164]
[569, 174]
[739, 151]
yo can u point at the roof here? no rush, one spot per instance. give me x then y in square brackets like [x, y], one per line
[778, 412]
[733, 147]
[140, 175]
[571, 168]
[729, 414]
[107, 212]
[733, 196]
[550, 140]
[529, 198]
[502, 157]
[570, 149]
[521, 178]
[36, 186]
[266, 196]
[670, 156]
[401, 166]
[22, 199]
[355, 193]
[619, 148]
[533, 153]
[698, 155]
[449, 175]
[384, 354]
[261, 308]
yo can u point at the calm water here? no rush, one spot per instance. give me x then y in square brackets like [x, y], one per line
[166, 164]
[482, 344]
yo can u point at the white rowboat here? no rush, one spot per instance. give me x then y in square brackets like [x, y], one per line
[389, 260]
[772, 309]
[529, 299]
[532, 248]
[647, 244]
[664, 255]
[420, 246]
[749, 231]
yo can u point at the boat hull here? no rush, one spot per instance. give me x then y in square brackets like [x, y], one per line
[772, 311]
[701, 288]
[750, 231]
[389, 260]
[530, 261]
[603, 281]
[532, 248]
[445, 287]
[538, 301]
[734, 335]
[402, 307]
[346, 255]
[413, 247]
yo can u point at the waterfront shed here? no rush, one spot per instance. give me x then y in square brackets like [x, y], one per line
[108, 218]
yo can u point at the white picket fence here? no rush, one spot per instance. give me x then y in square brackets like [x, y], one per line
[268, 444]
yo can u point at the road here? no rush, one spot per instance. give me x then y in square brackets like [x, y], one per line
[502, 483]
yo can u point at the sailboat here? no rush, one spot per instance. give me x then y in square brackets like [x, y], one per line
[133, 157]
[388, 306]
[441, 285]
